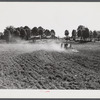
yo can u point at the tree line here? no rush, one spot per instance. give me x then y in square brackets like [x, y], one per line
[26, 33]
[83, 33]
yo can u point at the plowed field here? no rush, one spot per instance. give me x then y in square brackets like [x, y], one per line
[47, 66]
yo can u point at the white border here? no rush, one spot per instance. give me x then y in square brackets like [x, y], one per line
[49, 93]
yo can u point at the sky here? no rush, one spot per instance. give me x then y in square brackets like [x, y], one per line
[50, 15]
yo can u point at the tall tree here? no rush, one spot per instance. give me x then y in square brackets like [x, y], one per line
[82, 32]
[66, 32]
[11, 29]
[95, 34]
[7, 35]
[85, 34]
[74, 34]
[34, 31]
[47, 32]
[40, 31]
[28, 32]
[52, 33]
[23, 33]
[91, 35]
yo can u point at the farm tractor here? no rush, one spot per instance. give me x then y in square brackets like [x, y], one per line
[66, 45]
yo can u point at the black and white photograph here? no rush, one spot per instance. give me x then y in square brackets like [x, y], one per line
[50, 45]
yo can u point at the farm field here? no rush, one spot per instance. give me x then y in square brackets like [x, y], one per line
[47, 66]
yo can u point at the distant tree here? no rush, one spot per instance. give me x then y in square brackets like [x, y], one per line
[66, 32]
[82, 32]
[18, 29]
[40, 28]
[16, 33]
[52, 33]
[79, 33]
[34, 31]
[47, 32]
[1, 35]
[95, 34]
[74, 34]
[85, 34]
[28, 32]
[7, 35]
[90, 35]
[80, 27]
[23, 33]
[11, 29]
[40, 31]
[98, 35]
[26, 27]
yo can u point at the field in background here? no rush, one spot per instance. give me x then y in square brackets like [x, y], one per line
[45, 65]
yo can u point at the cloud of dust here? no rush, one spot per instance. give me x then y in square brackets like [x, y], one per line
[26, 46]
[40, 45]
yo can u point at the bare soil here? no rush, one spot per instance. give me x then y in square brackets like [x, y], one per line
[50, 69]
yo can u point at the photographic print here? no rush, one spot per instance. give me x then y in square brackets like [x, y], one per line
[50, 45]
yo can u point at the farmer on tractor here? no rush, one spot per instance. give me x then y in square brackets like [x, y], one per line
[65, 44]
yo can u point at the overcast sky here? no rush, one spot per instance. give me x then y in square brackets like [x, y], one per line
[51, 15]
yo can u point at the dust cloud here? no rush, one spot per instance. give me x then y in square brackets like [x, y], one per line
[26, 46]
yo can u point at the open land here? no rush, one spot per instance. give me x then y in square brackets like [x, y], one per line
[45, 65]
